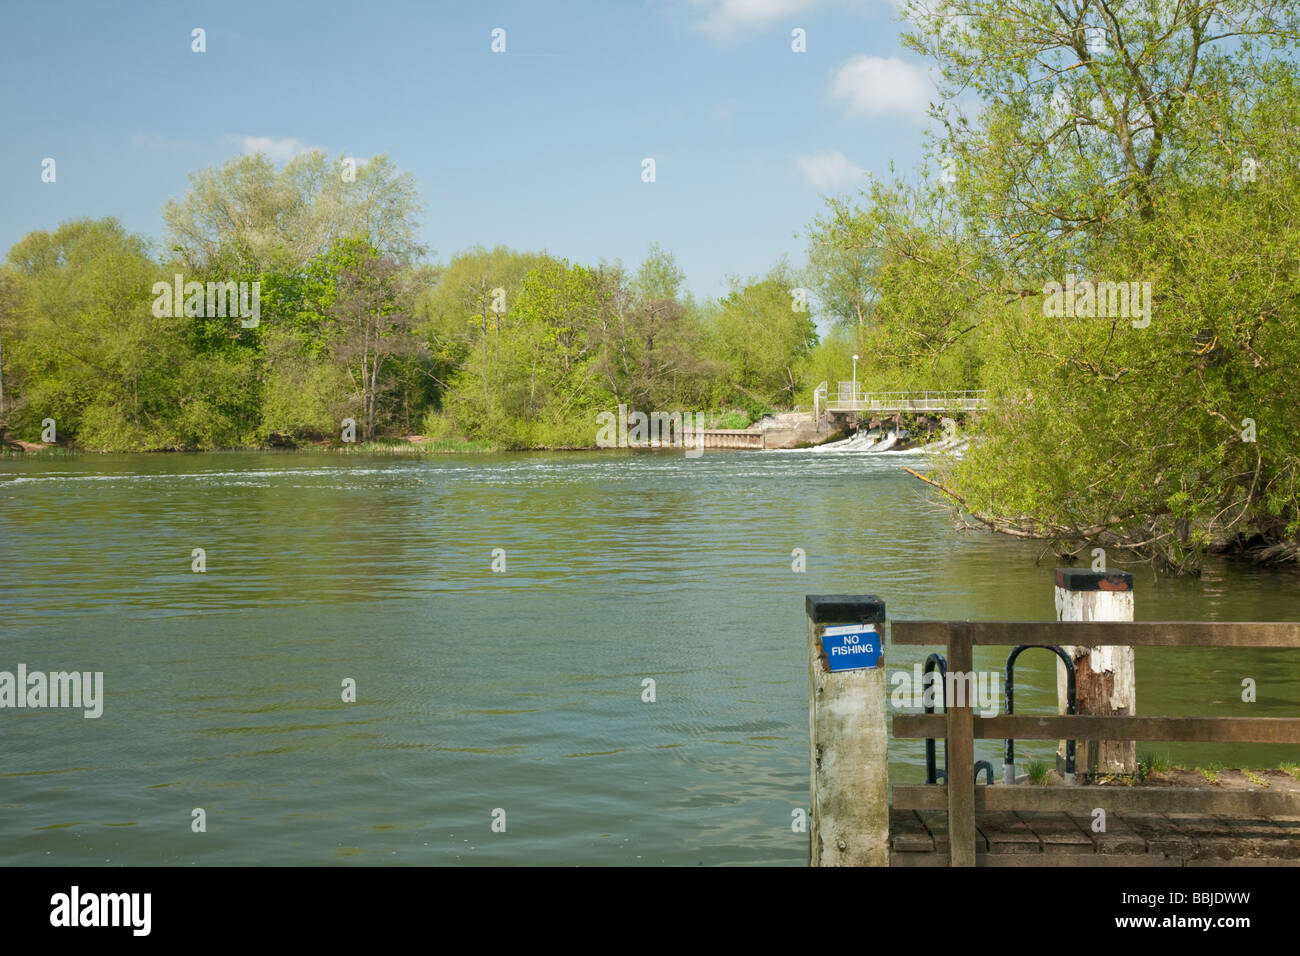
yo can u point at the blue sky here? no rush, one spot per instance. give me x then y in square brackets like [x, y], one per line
[537, 148]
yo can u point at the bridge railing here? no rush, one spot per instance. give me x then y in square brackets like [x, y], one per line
[968, 400]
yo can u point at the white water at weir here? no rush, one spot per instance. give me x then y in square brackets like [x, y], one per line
[877, 442]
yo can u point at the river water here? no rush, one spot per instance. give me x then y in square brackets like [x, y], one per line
[482, 695]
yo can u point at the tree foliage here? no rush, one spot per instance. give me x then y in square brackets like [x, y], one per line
[522, 349]
[1150, 144]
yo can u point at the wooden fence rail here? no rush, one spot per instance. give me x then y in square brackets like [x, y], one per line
[1219, 730]
[1131, 633]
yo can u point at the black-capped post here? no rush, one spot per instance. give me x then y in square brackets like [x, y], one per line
[848, 733]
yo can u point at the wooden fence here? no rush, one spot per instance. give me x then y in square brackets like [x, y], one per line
[961, 727]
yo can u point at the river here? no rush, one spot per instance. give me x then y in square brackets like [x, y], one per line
[514, 696]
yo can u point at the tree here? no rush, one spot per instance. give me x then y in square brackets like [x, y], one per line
[759, 331]
[9, 298]
[659, 276]
[468, 304]
[247, 215]
[1085, 103]
[86, 348]
[366, 300]
[842, 266]
[1112, 146]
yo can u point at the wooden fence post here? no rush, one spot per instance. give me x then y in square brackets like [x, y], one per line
[1105, 680]
[960, 751]
[848, 731]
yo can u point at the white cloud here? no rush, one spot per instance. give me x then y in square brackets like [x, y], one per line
[829, 170]
[277, 150]
[875, 86]
[726, 19]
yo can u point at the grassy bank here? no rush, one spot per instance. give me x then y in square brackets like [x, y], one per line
[440, 435]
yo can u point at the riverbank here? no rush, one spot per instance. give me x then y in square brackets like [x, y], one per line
[410, 445]
[779, 430]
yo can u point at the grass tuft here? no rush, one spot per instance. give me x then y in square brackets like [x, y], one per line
[1149, 764]
[1037, 771]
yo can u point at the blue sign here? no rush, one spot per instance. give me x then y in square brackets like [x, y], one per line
[850, 647]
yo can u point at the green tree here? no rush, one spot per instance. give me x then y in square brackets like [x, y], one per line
[1113, 145]
[650, 342]
[465, 308]
[763, 336]
[842, 266]
[90, 354]
[247, 215]
[364, 301]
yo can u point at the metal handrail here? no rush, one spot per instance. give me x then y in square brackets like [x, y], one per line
[976, 396]
[932, 662]
[1009, 762]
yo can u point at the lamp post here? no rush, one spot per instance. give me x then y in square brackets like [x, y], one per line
[855, 381]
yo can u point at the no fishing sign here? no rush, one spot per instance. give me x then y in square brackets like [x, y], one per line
[850, 647]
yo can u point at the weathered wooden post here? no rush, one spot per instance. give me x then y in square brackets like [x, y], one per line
[1105, 680]
[960, 751]
[848, 731]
